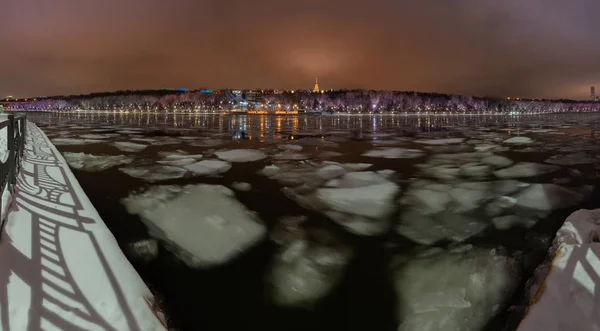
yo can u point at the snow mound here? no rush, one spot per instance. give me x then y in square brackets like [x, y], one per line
[204, 225]
[518, 140]
[241, 155]
[568, 287]
[475, 286]
[155, 173]
[130, 147]
[526, 169]
[440, 141]
[209, 167]
[395, 153]
[93, 163]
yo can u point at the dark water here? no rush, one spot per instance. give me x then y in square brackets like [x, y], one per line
[235, 296]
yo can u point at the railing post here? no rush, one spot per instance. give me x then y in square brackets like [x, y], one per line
[10, 145]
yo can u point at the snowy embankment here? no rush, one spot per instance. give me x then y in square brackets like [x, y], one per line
[566, 292]
[60, 266]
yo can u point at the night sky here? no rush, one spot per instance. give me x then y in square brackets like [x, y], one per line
[526, 48]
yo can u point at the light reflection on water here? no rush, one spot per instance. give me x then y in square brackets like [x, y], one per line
[257, 126]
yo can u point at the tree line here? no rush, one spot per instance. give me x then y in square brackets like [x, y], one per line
[342, 101]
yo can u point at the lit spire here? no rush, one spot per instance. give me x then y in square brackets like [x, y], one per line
[316, 88]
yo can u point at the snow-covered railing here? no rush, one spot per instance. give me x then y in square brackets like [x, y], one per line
[12, 143]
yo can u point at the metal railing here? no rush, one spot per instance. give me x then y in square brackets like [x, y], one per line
[15, 127]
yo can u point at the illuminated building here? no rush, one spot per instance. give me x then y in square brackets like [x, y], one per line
[593, 93]
[316, 89]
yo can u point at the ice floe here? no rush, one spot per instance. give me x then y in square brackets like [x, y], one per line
[206, 142]
[154, 173]
[518, 140]
[549, 197]
[497, 161]
[290, 147]
[374, 201]
[305, 270]
[179, 162]
[72, 141]
[241, 186]
[357, 179]
[95, 136]
[143, 250]
[395, 153]
[572, 159]
[526, 169]
[209, 167]
[92, 163]
[475, 287]
[330, 172]
[204, 225]
[241, 155]
[130, 147]
[440, 141]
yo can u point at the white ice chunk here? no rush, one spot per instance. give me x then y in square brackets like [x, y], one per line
[330, 172]
[270, 170]
[497, 161]
[241, 155]
[126, 146]
[375, 201]
[203, 224]
[155, 173]
[430, 199]
[92, 163]
[241, 186]
[356, 166]
[476, 170]
[572, 159]
[291, 147]
[518, 140]
[358, 179]
[441, 141]
[395, 153]
[509, 221]
[71, 141]
[549, 197]
[474, 287]
[209, 167]
[95, 136]
[177, 162]
[143, 250]
[525, 169]
[304, 272]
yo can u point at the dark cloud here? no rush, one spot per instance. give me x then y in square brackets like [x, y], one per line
[533, 48]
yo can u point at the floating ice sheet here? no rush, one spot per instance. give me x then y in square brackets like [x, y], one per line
[209, 167]
[93, 163]
[125, 146]
[154, 173]
[395, 153]
[241, 155]
[204, 225]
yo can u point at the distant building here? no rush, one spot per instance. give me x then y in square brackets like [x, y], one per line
[593, 93]
[316, 89]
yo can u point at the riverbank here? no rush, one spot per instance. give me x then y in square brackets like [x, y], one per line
[60, 266]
